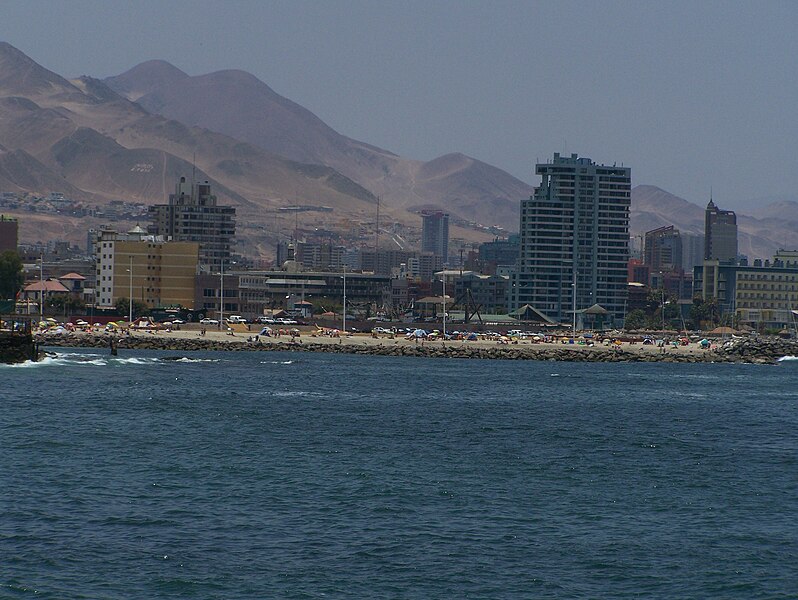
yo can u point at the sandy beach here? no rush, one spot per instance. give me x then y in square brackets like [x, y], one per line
[311, 340]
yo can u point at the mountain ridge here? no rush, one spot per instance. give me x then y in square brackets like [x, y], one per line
[277, 124]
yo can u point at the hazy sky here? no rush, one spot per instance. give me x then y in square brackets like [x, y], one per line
[691, 95]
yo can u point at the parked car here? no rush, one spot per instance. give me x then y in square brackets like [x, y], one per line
[266, 320]
[209, 322]
[236, 319]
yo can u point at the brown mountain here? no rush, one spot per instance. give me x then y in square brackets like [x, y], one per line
[21, 172]
[82, 138]
[465, 186]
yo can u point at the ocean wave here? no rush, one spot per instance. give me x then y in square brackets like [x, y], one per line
[97, 360]
[277, 362]
[29, 364]
[787, 358]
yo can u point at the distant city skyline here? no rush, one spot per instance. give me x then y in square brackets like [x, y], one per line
[694, 96]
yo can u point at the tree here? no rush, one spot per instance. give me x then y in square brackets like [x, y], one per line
[64, 303]
[139, 308]
[704, 312]
[636, 319]
[11, 275]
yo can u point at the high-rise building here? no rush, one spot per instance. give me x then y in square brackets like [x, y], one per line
[192, 215]
[9, 234]
[692, 251]
[155, 272]
[499, 253]
[720, 234]
[663, 249]
[435, 233]
[574, 239]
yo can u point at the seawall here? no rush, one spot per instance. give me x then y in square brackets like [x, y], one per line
[758, 352]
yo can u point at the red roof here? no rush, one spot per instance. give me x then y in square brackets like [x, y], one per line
[76, 276]
[46, 286]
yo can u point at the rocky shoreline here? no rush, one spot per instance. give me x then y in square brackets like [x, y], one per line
[762, 351]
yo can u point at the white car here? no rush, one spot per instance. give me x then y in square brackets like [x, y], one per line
[209, 322]
[236, 319]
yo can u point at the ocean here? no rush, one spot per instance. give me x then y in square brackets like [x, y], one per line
[292, 475]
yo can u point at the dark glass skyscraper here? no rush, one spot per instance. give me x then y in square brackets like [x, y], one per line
[435, 233]
[720, 234]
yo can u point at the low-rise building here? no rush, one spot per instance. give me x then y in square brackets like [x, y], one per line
[762, 296]
[251, 292]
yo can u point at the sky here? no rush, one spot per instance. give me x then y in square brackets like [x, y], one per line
[693, 96]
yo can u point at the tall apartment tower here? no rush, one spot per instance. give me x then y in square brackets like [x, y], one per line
[192, 215]
[435, 233]
[720, 234]
[574, 239]
[663, 249]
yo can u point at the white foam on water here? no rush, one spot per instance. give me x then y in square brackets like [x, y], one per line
[29, 364]
[133, 360]
[185, 359]
[57, 361]
[787, 358]
[277, 362]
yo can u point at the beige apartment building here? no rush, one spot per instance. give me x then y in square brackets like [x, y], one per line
[145, 267]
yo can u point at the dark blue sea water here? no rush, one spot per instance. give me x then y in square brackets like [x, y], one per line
[271, 475]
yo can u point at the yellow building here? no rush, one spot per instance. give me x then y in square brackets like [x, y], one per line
[146, 268]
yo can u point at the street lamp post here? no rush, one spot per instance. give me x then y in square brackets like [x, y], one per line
[344, 320]
[41, 281]
[221, 294]
[130, 298]
[444, 307]
[573, 285]
[662, 288]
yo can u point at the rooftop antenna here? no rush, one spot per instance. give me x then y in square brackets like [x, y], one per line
[296, 216]
[377, 233]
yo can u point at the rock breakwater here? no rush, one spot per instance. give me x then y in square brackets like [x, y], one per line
[748, 351]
